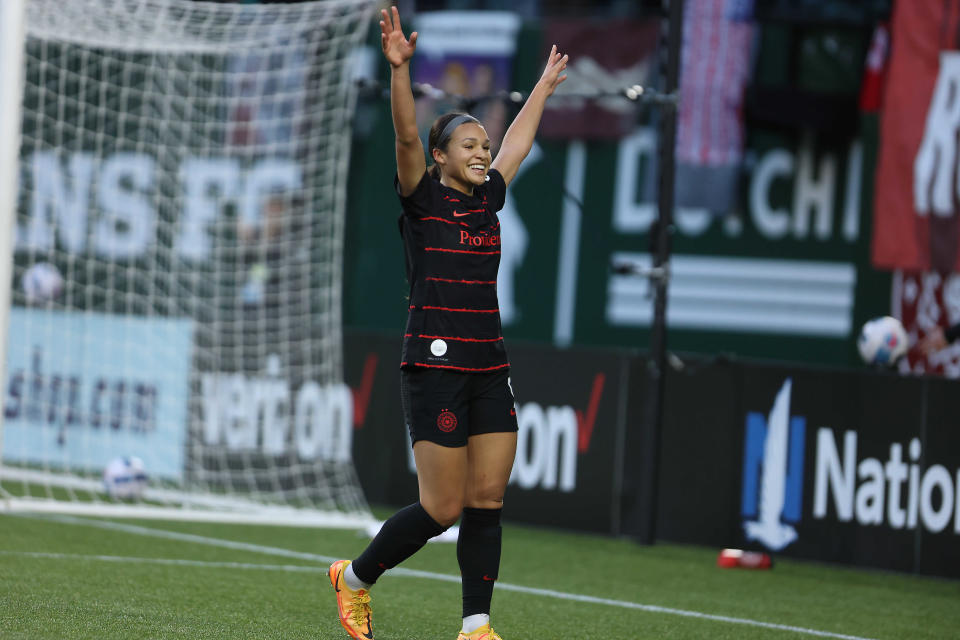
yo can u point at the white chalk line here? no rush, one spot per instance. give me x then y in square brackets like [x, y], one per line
[399, 571]
[178, 562]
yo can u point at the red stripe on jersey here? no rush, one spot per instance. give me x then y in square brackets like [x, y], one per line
[443, 220]
[475, 210]
[446, 366]
[482, 253]
[451, 199]
[459, 339]
[452, 309]
[461, 281]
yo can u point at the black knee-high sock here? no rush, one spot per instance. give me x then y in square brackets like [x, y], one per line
[478, 552]
[401, 536]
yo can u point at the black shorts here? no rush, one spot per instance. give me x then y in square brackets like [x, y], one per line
[447, 407]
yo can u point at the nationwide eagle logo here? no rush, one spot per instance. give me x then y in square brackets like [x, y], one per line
[773, 473]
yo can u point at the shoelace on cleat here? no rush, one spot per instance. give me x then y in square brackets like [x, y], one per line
[359, 607]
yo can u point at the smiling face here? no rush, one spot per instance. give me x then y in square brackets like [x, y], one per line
[466, 160]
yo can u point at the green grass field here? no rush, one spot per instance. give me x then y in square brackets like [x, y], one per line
[66, 577]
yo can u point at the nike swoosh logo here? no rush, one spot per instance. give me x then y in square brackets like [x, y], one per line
[336, 581]
[487, 578]
[457, 214]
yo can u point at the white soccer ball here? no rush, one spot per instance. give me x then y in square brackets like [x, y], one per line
[125, 478]
[882, 341]
[41, 282]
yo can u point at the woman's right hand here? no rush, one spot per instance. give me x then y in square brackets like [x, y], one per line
[396, 48]
[556, 65]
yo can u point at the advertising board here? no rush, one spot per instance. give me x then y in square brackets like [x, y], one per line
[83, 388]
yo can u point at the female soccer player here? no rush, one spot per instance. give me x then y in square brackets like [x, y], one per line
[455, 389]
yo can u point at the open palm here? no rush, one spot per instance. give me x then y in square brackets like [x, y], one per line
[556, 65]
[396, 48]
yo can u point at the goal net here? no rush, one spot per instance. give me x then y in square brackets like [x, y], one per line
[174, 332]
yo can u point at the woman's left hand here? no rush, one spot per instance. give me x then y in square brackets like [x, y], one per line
[556, 65]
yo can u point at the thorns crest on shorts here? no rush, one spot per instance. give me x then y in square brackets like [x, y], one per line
[447, 421]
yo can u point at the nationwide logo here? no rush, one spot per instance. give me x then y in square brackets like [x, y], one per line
[897, 493]
[772, 498]
[903, 491]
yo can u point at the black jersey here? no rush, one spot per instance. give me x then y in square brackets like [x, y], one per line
[452, 246]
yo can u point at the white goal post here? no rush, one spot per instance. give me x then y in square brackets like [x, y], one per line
[175, 270]
[11, 79]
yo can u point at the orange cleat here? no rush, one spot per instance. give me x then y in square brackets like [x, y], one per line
[483, 633]
[353, 607]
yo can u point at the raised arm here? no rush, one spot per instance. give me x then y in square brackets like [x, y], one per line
[398, 51]
[518, 139]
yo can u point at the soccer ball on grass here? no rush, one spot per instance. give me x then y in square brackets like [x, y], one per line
[125, 478]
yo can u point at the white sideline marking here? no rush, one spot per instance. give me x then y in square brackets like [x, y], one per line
[276, 551]
[207, 564]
